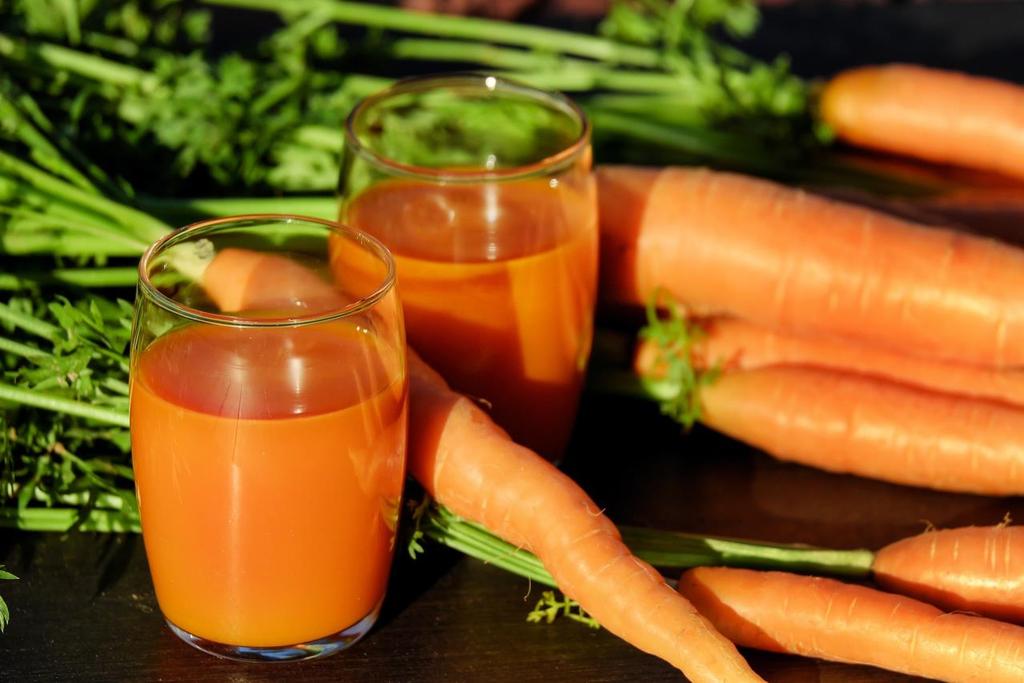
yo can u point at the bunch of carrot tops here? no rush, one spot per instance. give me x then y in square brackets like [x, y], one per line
[84, 79]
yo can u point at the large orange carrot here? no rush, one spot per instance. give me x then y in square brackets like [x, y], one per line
[470, 465]
[828, 619]
[737, 344]
[873, 428]
[725, 243]
[978, 569]
[931, 114]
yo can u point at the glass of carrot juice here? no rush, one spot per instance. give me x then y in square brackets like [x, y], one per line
[482, 189]
[268, 427]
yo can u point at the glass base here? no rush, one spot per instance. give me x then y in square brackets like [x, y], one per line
[321, 647]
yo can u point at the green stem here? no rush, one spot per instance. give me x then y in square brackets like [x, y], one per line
[29, 323]
[318, 206]
[447, 26]
[681, 108]
[432, 49]
[79, 277]
[136, 223]
[55, 145]
[97, 501]
[66, 519]
[76, 62]
[19, 243]
[733, 151]
[459, 535]
[746, 154]
[41, 149]
[320, 137]
[59, 404]
[676, 550]
[556, 72]
[454, 527]
[663, 549]
[115, 385]
[122, 47]
[19, 349]
[48, 208]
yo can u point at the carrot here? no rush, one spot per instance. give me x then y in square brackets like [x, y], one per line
[724, 243]
[941, 116]
[978, 569]
[240, 279]
[828, 619]
[869, 427]
[470, 465]
[738, 344]
[623, 193]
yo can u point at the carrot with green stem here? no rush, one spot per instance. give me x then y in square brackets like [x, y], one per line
[828, 619]
[840, 421]
[974, 569]
[737, 344]
[932, 114]
[238, 279]
[872, 428]
[469, 464]
[727, 244]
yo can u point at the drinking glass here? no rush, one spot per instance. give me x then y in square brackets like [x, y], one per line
[482, 189]
[268, 428]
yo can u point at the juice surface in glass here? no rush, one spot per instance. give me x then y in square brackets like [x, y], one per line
[268, 440]
[505, 320]
[482, 189]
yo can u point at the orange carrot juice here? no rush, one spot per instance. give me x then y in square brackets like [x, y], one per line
[498, 283]
[269, 465]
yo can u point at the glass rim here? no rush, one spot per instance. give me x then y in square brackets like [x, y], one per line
[485, 82]
[150, 291]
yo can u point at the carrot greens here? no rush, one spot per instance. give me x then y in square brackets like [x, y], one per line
[5, 613]
[551, 607]
[677, 387]
[269, 117]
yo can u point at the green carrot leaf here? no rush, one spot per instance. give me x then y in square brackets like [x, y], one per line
[675, 384]
[5, 613]
[551, 607]
[414, 547]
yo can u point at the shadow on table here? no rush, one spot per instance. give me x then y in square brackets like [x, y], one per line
[411, 578]
[17, 549]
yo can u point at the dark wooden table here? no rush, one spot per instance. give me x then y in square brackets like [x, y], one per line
[84, 609]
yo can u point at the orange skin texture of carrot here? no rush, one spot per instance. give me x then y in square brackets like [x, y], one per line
[734, 344]
[242, 279]
[976, 569]
[872, 428]
[469, 464]
[828, 619]
[930, 114]
[728, 244]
